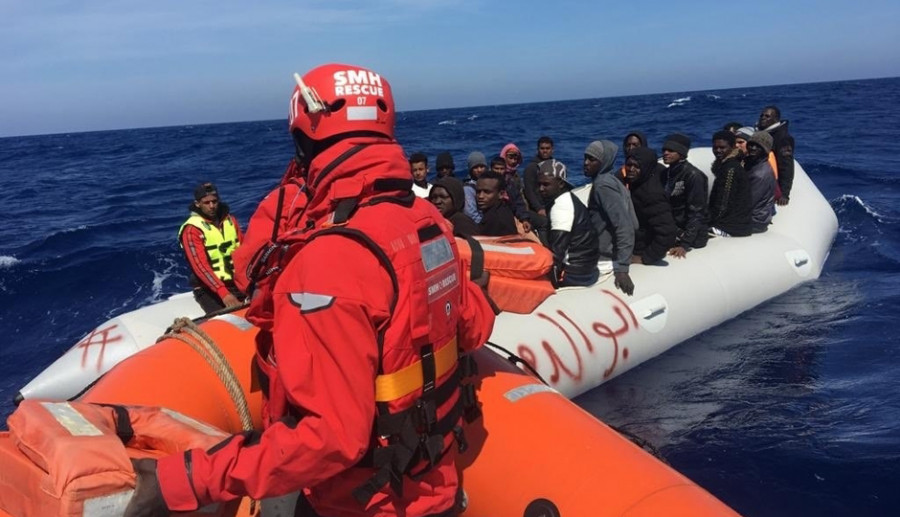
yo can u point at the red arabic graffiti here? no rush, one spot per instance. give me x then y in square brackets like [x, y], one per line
[627, 321]
[99, 337]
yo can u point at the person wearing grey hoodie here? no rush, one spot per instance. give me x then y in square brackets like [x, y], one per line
[476, 165]
[611, 211]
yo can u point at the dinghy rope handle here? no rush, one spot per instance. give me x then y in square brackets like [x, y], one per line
[186, 331]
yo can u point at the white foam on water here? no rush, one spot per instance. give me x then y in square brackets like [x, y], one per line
[679, 101]
[852, 198]
[8, 261]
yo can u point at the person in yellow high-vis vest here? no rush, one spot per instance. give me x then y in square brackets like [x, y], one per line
[209, 237]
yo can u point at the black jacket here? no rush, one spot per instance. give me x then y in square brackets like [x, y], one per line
[572, 237]
[762, 191]
[783, 146]
[687, 189]
[497, 221]
[656, 225]
[730, 204]
[530, 185]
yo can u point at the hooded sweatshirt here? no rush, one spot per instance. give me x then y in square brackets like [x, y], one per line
[656, 232]
[506, 148]
[463, 225]
[611, 212]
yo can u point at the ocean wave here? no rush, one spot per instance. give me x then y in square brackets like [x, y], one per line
[681, 101]
[450, 122]
[846, 201]
[712, 96]
[8, 261]
[472, 117]
[157, 291]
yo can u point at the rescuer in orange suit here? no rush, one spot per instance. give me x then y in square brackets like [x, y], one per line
[372, 290]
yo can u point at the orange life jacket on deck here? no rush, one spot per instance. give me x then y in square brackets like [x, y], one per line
[74, 458]
[519, 267]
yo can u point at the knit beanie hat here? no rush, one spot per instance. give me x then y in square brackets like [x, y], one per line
[679, 143]
[555, 169]
[476, 158]
[205, 189]
[745, 132]
[728, 136]
[762, 139]
[595, 150]
[444, 159]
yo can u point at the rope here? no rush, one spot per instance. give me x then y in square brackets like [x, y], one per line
[514, 359]
[212, 354]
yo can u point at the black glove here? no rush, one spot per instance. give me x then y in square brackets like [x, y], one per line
[147, 500]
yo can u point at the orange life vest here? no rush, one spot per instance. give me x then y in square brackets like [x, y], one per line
[73, 459]
[518, 267]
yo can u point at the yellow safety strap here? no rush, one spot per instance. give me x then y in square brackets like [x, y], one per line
[408, 379]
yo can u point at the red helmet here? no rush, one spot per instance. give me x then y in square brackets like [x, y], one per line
[334, 99]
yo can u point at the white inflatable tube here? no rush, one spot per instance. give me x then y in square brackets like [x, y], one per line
[579, 337]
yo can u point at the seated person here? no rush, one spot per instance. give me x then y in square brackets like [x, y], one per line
[513, 194]
[448, 197]
[496, 215]
[418, 167]
[476, 165]
[729, 202]
[444, 165]
[209, 237]
[571, 237]
[611, 211]
[686, 188]
[741, 137]
[655, 233]
[762, 180]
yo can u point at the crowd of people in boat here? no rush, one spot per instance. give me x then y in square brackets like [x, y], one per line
[642, 212]
[639, 213]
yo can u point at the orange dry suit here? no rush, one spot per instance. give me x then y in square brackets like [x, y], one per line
[362, 371]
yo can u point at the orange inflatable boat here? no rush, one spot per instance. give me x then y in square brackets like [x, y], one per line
[532, 453]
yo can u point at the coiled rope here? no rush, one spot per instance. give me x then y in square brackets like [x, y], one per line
[186, 331]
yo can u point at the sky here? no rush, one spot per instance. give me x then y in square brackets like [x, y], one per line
[68, 66]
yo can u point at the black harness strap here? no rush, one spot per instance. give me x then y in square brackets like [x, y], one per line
[344, 209]
[391, 184]
[337, 161]
[124, 430]
[477, 265]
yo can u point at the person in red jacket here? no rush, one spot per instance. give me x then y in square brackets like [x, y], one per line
[372, 288]
[209, 237]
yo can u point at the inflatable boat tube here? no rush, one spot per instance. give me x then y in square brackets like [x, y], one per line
[578, 337]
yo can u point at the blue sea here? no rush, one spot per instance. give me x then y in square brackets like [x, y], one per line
[791, 409]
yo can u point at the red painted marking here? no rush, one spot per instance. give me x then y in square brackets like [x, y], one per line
[587, 342]
[627, 321]
[527, 355]
[555, 359]
[103, 339]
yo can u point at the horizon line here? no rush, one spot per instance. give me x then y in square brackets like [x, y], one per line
[26, 135]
